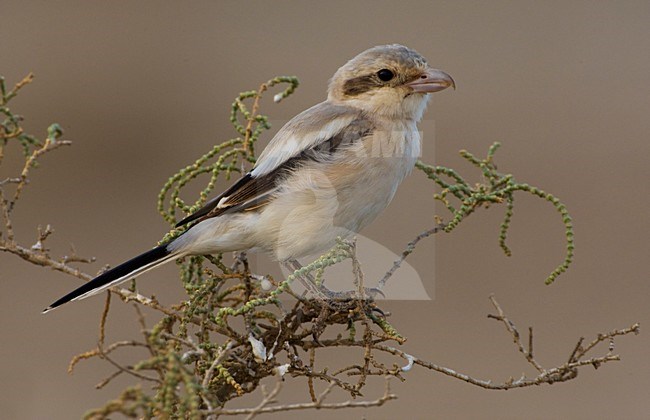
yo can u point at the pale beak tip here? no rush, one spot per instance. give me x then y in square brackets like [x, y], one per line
[433, 80]
[446, 79]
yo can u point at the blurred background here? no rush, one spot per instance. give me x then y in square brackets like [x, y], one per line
[144, 88]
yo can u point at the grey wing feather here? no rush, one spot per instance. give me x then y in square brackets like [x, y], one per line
[306, 130]
[247, 188]
[339, 126]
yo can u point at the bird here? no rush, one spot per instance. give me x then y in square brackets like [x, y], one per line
[326, 174]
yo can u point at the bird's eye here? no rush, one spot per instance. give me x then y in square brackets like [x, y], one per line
[385, 75]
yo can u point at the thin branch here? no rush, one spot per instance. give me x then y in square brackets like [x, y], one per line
[512, 329]
[49, 145]
[319, 404]
[410, 247]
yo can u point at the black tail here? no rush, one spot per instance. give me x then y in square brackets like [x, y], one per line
[119, 274]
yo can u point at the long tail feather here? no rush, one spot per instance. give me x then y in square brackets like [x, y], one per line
[119, 274]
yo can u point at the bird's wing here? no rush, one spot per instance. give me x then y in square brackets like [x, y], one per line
[306, 130]
[311, 135]
[245, 189]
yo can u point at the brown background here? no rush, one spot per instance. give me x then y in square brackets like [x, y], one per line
[143, 88]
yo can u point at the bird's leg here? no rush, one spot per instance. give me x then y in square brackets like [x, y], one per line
[307, 280]
[323, 293]
[330, 302]
[239, 258]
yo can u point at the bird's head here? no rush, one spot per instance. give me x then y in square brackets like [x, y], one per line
[391, 80]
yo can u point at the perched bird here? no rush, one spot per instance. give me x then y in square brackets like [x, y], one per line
[326, 174]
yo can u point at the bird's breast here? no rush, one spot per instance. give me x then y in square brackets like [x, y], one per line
[366, 182]
[337, 197]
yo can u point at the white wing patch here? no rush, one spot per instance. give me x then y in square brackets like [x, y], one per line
[303, 132]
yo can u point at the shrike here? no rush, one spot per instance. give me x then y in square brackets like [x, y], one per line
[326, 174]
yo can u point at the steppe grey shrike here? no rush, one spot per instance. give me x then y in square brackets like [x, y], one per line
[327, 173]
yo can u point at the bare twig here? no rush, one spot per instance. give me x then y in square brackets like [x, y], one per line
[319, 404]
[512, 329]
[561, 373]
[50, 144]
[410, 247]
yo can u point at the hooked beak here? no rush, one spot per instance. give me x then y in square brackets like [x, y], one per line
[432, 80]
